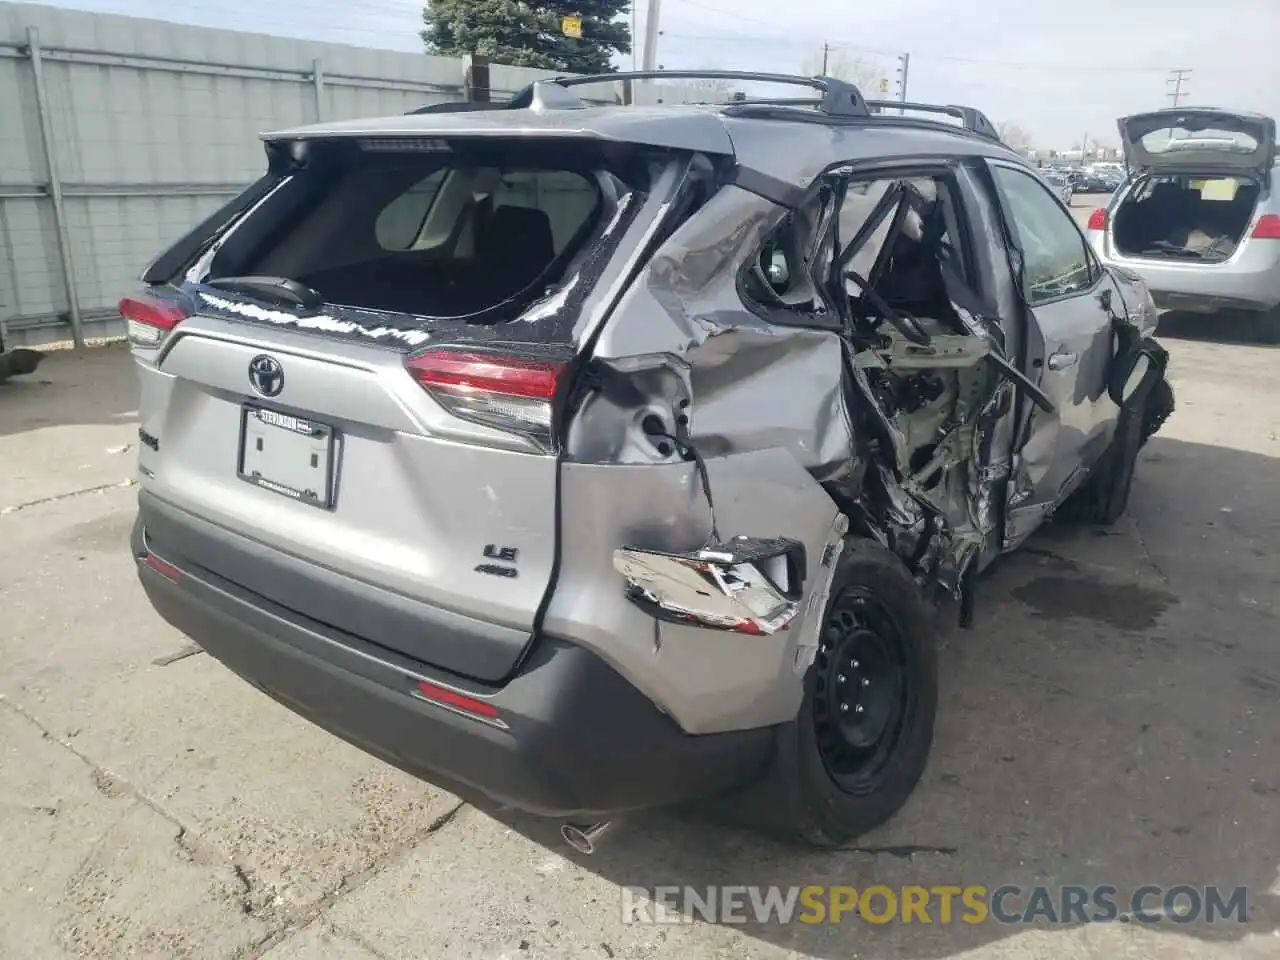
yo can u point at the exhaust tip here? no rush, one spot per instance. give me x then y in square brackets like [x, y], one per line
[583, 839]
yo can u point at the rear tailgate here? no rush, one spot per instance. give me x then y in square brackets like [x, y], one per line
[379, 464]
[397, 545]
[1204, 139]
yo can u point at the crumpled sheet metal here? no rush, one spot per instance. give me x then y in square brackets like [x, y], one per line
[687, 291]
[719, 586]
[728, 364]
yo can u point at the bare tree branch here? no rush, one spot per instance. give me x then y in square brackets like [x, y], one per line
[1014, 136]
[865, 76]
[713, 87]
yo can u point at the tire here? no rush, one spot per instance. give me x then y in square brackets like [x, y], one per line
[1264, 327]
[828, 809]
[1104, 496]
[17, 362]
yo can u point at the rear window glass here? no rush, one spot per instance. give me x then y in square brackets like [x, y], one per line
[1174, 139]
[429, 233]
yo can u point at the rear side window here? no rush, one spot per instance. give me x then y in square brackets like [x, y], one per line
[432, 234]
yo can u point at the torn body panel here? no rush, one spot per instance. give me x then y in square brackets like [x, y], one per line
[906, 421]
[707, 680]
[683, 348]
[747, 585]
[900, 435]
[683, 370]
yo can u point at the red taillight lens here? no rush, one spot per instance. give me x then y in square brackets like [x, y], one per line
[149, 318]
[1098, 219]
[1267, 227]
[163, 567]
[458, 701]
[510, 393]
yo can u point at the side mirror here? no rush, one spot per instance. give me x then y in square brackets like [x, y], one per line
[776, 269]
[1130, 375]
[746, 585]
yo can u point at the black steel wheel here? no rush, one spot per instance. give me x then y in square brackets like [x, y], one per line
[864, 691]
[861, 738]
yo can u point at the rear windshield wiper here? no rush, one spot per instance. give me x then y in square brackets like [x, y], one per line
[279, 289]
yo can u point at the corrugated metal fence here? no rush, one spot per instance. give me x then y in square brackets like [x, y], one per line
[118, 134]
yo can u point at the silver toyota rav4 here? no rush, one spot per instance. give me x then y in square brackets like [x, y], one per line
[592, 459]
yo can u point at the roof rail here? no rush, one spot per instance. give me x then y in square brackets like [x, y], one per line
[975, 121]
[839, 99]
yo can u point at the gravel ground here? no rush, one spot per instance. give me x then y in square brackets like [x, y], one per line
[1113, 718]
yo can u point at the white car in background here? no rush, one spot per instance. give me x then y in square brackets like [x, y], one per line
[1199, 217]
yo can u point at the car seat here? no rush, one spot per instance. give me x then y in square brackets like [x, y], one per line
[515, 246]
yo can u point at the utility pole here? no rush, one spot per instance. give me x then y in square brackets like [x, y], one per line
[1177, 78]
[826, 55]
[904, 61]
[650, 61]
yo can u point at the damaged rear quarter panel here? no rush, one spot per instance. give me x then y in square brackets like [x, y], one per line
[765, 408]
[707, 680]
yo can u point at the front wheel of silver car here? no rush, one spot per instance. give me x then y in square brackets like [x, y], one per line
[859, 744]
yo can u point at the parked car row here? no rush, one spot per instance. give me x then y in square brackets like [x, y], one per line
[1061, 184]
[1090, 179]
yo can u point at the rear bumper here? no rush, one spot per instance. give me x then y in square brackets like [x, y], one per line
[1208, 302]
[571, 738]
[1251, 281]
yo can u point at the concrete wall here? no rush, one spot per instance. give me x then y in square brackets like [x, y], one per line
[150, 126]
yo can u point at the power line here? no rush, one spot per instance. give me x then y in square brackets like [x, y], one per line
[838, 46]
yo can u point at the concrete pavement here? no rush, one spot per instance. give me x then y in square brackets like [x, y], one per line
[1113, 718]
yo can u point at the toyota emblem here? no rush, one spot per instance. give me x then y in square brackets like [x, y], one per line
[266, 375]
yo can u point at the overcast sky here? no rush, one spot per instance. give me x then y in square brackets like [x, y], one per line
[1062, 70]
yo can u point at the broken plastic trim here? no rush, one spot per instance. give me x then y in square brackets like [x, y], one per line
[747, 585]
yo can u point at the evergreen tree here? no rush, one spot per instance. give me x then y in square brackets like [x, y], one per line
[529, 34]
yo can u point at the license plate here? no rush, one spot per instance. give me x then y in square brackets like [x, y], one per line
[289, 455]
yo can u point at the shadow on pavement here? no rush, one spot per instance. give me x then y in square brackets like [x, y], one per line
[96, 387]
[1114, 719]
[1227, 326]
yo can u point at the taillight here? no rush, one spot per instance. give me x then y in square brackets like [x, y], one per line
[506, 392]
[149, 318]
[1098, 219]
[1267, 227]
